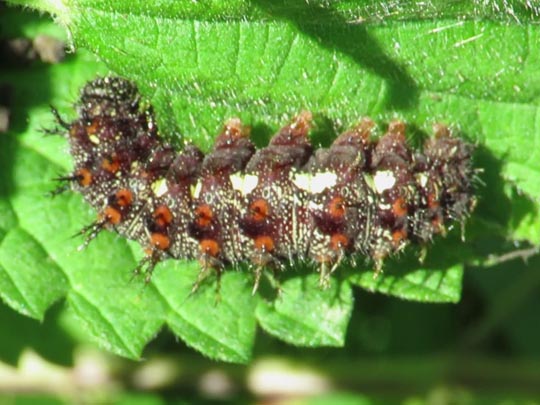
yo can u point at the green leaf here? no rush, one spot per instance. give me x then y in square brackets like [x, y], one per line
[340, 398]
[18, 288]
[470, 64]
[45, 337]
[435, 278]
[206, 61]
[422, 284]
[119, 313]
[305, 315]
[223, 325]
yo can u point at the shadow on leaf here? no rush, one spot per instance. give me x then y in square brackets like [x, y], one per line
[334, 32]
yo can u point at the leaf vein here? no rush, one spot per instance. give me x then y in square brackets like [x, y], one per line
[285, 58]
[193, 325]
[107, 322]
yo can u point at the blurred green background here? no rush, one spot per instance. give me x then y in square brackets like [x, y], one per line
[485, 349]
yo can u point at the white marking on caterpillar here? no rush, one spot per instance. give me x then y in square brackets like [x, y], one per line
[383, 180]
[314, 183]
[422, 179]
[196, 190]
[245, 183]
[159, 187]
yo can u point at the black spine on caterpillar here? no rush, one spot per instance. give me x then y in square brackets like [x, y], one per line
[269, 206]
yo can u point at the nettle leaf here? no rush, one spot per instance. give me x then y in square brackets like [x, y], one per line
[305, 315]
[223, 326]
[473, 65]
[435, 278]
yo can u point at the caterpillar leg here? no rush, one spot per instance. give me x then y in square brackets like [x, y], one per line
[209, 264]
[91, 232]
[147, 265]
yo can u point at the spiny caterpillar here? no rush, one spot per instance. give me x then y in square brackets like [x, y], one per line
[270, 206]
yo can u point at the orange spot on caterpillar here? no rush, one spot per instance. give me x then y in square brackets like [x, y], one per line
[338, 241]
[264, 243]
[112, 215]
[160, 241]
[163, 216]
[84, 177]
[432, 201]
[399, 207]
[110, 164]
[93, 127]
[204, 215]
[259, 210]
[209, 247]
[399, 236]
[336, 208]
[124, 197]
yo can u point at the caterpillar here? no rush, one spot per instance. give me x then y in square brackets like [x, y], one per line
[278, 204]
